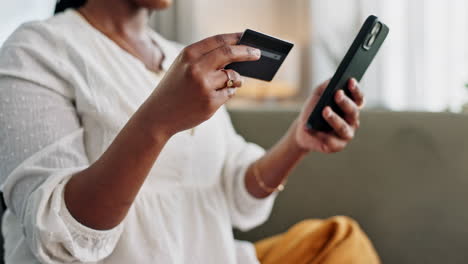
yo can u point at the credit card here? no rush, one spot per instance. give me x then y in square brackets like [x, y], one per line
[274, 52]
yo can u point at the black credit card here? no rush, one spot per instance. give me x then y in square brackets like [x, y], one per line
[274, 52]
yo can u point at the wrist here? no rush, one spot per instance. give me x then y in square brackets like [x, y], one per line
[292, 140]
[148, 123]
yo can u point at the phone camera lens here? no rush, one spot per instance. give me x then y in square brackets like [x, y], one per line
[376, 28]
[371, 41]
[372, 36]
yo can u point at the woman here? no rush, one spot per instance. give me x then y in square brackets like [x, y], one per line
[119, 150]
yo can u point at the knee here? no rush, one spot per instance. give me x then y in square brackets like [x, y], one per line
[345, 224]
[340, 237]
[340, 227]
[353, 240]
[345, 220]
[342, 221]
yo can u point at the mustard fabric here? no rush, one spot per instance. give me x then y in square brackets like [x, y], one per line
[336, 240]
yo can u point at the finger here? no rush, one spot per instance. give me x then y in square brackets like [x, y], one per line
[313, 99]
[330, 143]
[341, 128]
[223, 95]
[222, 56]
[348, 106]
[205, 46]
[321, 89]
[220, 79]
[356, 93]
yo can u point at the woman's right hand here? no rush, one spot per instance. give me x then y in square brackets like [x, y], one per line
[194, 87]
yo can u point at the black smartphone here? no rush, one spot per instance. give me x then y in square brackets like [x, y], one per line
[354, 65]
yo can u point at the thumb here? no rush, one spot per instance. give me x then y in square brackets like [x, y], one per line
[314, 98]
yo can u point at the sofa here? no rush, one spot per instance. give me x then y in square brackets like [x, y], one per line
[404, 179]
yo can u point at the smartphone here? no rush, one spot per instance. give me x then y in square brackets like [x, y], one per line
[354, 65]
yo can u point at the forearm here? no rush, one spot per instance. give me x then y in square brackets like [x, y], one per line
[274, 167]
[100, 196]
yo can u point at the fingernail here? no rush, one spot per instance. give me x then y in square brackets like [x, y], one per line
[257, 52]
[328, 112]
[355, 84]
[340, 95]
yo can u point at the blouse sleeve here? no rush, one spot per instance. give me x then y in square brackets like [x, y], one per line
[246, 211]
[42, 146]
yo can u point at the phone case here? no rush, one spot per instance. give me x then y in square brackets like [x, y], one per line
[354, 65]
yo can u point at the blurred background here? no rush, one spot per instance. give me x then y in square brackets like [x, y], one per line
[421, 67]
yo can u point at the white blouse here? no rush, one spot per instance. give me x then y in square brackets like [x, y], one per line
[66, 90]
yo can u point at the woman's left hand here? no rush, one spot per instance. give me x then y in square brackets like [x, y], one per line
[343, 128]
[278, 162]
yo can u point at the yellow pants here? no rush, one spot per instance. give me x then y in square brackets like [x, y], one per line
[336, 240]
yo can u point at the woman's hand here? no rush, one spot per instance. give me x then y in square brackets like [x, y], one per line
[190, 93]
[195, 86]
[275, 166]
[343, 128]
